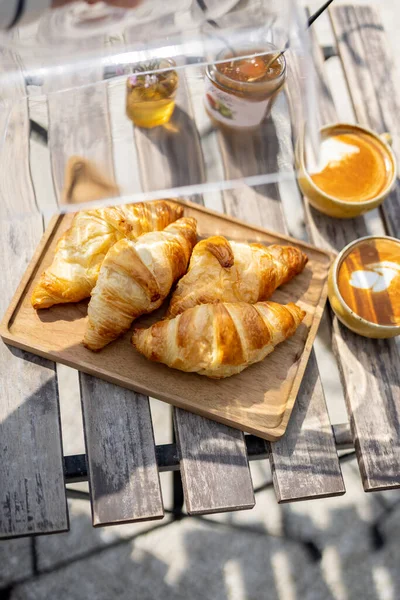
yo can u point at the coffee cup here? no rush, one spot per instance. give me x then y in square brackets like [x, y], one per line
[357, 173]
[364, 286]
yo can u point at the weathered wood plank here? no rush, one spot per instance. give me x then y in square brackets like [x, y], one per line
[213, 169]
[331, 233]
[79, 124]
[123, 468]
[214, 466]
[368, 67]
[304, 464]
[210, 452]
[369, 369]
[126, 168]
[32, 491]
[123, 473]
[173, 150]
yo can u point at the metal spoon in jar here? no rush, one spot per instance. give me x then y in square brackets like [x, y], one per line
[276, 56]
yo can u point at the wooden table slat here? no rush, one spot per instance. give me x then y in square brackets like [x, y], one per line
[123, 473]
[369, 369]
[304, 462]
[32, 490]
[298, 456]
[122, 467]
[214, 466]
[210, 452]
[369, 67]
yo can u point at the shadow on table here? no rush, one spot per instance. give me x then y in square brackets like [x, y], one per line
[210, 561]
[178, 143]
[202, 560]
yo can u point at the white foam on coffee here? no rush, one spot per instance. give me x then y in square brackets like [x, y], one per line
[377, 278]
[333, 151]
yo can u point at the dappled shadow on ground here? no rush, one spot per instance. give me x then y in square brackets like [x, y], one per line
[214, 561]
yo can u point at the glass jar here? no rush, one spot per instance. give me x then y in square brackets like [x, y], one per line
[150, 96]
[239, 93]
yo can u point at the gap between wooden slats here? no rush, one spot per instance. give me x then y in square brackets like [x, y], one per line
[123, 474]
[32, 490]
[210, 452]
[304, 463]
[369, 369]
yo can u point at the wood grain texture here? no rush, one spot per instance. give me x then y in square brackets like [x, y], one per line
[126, 167]
[245, 155]
[215, 470]
[218, 470]
[307, 453]
[323, 231]
[292, 457]
[78, 115]
[79, 124]
[125, 485]
[194, 428]
[32, 491]
[369, 368]
[368, 67]
[171, 156]
[213, 167]
[258, 400]
[122, 469]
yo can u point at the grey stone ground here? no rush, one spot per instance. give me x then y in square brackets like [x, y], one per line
[198, 560]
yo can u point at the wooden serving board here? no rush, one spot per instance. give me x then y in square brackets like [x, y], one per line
[259, 400]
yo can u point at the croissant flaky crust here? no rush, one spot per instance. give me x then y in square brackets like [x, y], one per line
[81, 250]
[228, 271]
[135, 278]
[219, 340]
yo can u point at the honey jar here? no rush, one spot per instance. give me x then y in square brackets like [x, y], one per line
[150, 93]
[240, 92]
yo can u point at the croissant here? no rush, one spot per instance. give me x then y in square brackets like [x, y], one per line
[135, 278]
[219, 340]
[81, 250]
[222, 271]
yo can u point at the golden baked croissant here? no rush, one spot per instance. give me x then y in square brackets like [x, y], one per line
[222, 271]
[219, 340]
[135, 278]
[81, 250]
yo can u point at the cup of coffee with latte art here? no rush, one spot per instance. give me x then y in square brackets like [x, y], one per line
[364, 286]
[356, 171]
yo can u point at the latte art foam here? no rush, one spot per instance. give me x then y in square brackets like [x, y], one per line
[377, 278]
[369, 281]
[354, 167]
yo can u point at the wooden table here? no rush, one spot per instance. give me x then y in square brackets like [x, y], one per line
[122, 462]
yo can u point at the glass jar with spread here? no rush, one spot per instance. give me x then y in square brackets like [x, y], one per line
[364, 286]
[240, 92]
[150, 96]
